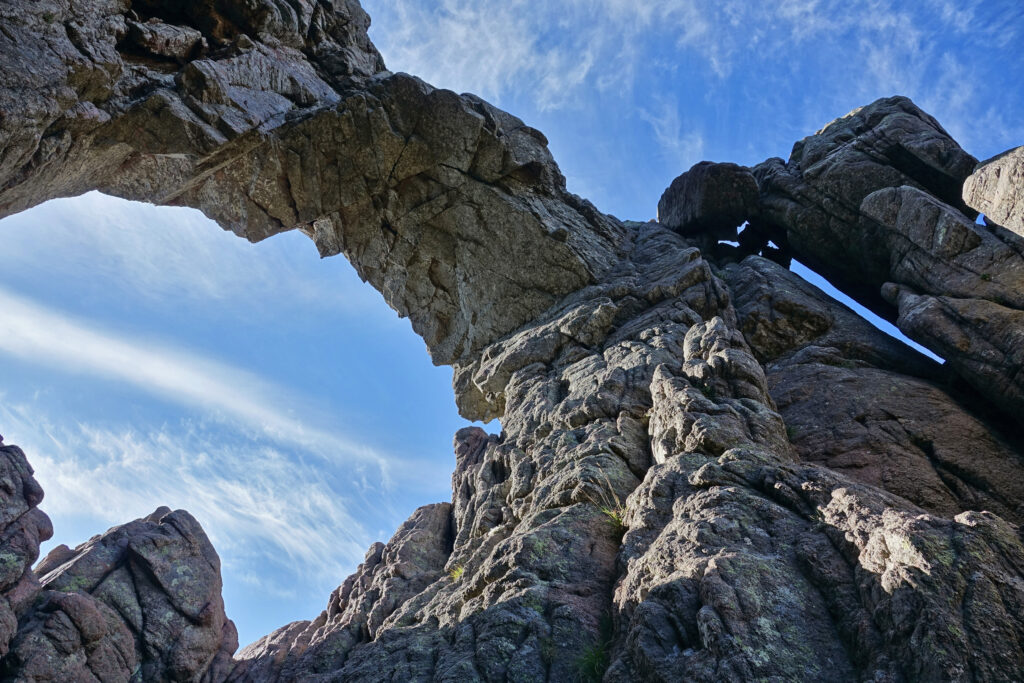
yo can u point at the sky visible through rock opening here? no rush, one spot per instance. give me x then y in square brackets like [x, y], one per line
[148, 358]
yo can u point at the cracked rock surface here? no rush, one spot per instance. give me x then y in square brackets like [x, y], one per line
[277, 116]
[995, 189]
[140, 602]
[23, 526]
[708, 469]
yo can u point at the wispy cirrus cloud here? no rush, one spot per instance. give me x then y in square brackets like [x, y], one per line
[820, 55]
[681, 144]
[489, 48]
[290, 499]
[261, 506]
[290, 490]
[161, 254]
[39, 334]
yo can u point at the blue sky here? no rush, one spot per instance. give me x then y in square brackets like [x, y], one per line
[149, 358]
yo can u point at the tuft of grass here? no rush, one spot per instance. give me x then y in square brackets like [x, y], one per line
[456, 573]
[616, 517]
[986, 277]
[547, 651]
[611, 506]
[592, 664]
[49, 17]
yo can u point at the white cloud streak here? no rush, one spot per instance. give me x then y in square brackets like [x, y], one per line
[41, 335]
[559, 55]
[683, 146]
[262, 507]
[176, 254]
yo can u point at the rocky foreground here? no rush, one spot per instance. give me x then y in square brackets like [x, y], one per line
[709, 469]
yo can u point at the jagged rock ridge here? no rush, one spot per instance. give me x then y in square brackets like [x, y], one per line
[709, 470]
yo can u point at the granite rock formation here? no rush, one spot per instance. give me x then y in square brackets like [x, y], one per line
[140, 602]
[22, 528]
[995, 190]
[710, 199]
[280, 116]
[708, 469]
[873, 203]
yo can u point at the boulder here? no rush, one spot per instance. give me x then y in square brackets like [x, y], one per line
[873, 203]
[712, 198]
[141, 601]
[23, 526]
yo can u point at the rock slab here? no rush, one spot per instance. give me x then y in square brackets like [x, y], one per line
[714, 198]
[994, 189]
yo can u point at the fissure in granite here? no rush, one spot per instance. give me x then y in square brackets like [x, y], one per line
[709, 469]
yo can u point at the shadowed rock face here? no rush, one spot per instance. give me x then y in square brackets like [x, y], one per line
[709, 198]
[22, 528]
[141, 602]
[873, 203]
[708, 471]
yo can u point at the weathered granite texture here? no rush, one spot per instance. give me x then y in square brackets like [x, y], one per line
[862, 403]
[141, 602]
[710, 199]
[995, 189]
[708, 469]
[23, 526]
[273, 116]
[873, 203]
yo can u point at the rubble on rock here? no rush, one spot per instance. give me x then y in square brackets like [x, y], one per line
[709, 470]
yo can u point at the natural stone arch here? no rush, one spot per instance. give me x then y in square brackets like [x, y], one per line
[625, 361]
[270, 120]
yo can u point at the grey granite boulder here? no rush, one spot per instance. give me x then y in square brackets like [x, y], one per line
[140, 602]
[873, 203]
[713, 198]
[812, 202]
[23, 526]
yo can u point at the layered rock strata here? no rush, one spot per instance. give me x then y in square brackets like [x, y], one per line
[708, 470]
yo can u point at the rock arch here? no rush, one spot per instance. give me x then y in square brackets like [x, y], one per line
[703, 474]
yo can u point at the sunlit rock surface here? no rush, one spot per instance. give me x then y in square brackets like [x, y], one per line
[995, 189]
[709, 470]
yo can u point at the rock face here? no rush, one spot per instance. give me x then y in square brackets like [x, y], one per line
[22, 528]
[873, 203]
[276, 116]
[141, 602]
[709, 470]
[363, 607]
[995, 189]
